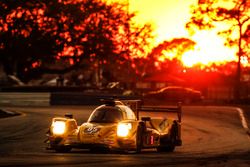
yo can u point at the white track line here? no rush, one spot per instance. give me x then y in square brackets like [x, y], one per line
[243, 120]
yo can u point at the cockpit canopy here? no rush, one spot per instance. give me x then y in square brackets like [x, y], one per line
[111, 114]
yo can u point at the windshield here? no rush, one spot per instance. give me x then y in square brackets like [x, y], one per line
[106, 114]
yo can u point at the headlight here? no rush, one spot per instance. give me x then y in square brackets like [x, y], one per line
[123, 129]
[58, 127]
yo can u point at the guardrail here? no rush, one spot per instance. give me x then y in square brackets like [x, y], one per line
[25, 99]
[55, 98]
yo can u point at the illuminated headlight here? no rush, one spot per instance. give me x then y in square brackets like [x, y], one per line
[123, 129]
[58, 127]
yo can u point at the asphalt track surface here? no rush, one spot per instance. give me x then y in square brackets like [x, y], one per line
[212, 136]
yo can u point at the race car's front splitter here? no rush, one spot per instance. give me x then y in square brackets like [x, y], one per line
[116, 144]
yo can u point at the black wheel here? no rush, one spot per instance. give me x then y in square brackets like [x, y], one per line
[139, 134]
[99, 150]
[63, 149]
[167, 143]
[169, 148]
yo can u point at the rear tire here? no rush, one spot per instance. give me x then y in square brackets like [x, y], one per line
[169, 148]
[167, 144]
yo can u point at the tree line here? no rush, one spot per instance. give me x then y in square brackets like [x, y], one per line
[57, 36]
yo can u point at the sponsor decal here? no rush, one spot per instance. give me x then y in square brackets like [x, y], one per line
[151, 140]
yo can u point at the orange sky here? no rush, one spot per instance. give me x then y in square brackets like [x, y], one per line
[169, 18]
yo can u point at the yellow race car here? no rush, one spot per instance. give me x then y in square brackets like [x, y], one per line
[115, 126]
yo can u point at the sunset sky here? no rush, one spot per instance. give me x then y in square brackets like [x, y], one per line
[169, 17]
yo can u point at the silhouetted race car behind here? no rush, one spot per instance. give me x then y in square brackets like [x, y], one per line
[174, 94]
[115, 126]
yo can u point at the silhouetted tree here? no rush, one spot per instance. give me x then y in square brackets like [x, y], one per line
[234, 15]
[56, 36]
[137, 43]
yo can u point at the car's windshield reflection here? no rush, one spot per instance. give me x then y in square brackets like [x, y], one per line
[106, 115]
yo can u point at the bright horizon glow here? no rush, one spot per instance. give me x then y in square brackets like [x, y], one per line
[209, 49]
[169, 18]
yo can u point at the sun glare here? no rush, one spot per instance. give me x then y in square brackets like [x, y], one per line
[210, 49]
[169, 18]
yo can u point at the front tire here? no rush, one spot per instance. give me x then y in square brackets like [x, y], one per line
[63, 149]
[139, 134]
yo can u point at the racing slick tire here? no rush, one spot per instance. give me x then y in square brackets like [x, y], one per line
[63, 149]
[139, 134]
[169, 148]
[99, 150]
[167, 144]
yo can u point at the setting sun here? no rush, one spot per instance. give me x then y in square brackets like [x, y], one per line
[209, 49]
[169, 18]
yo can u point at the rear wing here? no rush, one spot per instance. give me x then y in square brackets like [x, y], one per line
[136, 106]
